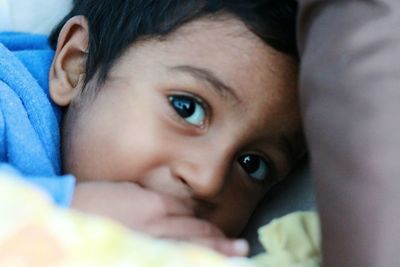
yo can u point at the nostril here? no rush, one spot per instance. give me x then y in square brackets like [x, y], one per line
[183, 181]
[206, 183]
[178, 176]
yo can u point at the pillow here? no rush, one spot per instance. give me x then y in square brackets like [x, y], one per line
[34, 16]
[295, 193]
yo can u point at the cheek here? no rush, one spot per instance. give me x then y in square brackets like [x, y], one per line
[109, 144]
[236, 208]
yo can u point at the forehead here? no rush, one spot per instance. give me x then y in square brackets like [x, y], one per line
[263, 79]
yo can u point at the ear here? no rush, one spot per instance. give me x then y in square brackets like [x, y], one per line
[67, 71]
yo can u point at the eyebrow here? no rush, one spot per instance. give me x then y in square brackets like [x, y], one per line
[204, 75]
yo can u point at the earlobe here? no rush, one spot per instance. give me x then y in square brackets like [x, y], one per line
[67, 72]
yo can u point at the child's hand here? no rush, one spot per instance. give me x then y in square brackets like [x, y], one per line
[153, 213]
[198, 231]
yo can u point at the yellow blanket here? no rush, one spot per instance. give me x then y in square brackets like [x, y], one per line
[33, 232]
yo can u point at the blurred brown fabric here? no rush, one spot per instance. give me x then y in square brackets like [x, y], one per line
[350, 93]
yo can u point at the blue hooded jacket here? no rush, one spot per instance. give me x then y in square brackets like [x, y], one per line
[29, 120]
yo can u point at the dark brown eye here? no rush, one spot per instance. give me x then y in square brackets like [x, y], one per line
[255, 166]
[189, 109]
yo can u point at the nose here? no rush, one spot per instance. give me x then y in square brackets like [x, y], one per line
[205, 173]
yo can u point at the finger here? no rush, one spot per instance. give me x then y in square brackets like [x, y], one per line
[228, 247]
[174, 206]
[177, 227]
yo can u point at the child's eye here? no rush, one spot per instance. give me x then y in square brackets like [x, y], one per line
[190, 109]
[255, 166]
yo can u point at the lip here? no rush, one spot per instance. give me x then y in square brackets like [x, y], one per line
[205, 203]
[203, 207]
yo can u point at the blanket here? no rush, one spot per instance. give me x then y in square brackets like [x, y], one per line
[41, 234]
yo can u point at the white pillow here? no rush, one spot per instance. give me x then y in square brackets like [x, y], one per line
[35, 16]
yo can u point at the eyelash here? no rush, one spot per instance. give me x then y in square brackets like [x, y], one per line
[270, 178]
[198, 101]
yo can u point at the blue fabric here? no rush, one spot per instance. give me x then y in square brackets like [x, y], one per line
[29, 121]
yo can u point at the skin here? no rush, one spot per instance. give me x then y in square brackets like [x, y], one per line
[138, 161]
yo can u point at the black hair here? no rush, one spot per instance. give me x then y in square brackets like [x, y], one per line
[115, 24]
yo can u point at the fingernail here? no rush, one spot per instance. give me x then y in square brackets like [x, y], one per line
[241, 247]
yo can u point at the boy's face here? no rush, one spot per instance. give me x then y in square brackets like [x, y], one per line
[209, 115]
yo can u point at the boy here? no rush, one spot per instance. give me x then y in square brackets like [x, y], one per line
[178, 116]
